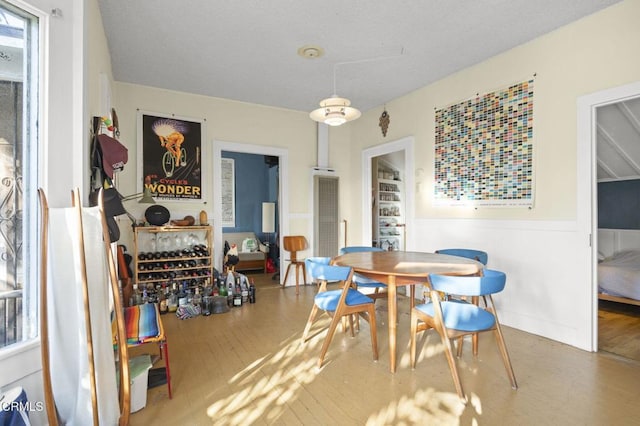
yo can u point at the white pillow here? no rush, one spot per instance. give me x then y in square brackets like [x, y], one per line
[249, 245]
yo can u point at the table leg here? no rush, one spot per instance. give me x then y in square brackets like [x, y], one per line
[393, 314]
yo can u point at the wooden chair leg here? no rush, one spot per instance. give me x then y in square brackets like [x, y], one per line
[297, 280]
[460, 343]
[351, 324]
[474, 339]
[505, 357]
[414, 331]
[412, 295]
[307, 328]
[304, 273]
[327, 340]
[452, 362]
[286, 275]
[164, 349]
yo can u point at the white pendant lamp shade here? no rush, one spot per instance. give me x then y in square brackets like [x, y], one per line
[334, 111]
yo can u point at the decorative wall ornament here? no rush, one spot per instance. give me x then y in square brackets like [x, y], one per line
[385, 119]
[484, 150]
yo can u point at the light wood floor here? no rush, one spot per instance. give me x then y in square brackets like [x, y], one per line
[619, 329]
[247, 367]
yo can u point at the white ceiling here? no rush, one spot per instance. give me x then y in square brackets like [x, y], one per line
[245, 50]
[618, 140]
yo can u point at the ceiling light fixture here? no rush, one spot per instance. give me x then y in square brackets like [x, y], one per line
[335, 110]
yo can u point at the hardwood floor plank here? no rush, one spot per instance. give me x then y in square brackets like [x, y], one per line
[248, 367]
[619, 329]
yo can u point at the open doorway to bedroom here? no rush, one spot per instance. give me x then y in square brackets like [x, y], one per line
[618, 201]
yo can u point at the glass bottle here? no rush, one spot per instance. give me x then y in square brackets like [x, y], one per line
[196, 300]
[252, 292]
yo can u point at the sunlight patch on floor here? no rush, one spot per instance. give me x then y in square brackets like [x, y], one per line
[426, 406]
[268, 395]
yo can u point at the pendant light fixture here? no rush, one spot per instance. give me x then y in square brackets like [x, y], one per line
[335, 110]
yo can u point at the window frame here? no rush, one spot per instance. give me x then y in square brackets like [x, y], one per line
[30, 159]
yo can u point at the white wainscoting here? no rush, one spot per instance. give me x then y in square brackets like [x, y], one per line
[550, 290]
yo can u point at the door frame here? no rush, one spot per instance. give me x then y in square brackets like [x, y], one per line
[586, 185]
[405, 144]
[283, 189]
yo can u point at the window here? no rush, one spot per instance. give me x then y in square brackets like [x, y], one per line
[18, 175]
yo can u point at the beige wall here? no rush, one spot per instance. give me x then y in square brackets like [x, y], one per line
[236, 122]
[592, 54]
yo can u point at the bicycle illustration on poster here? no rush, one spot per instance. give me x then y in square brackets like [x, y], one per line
[169, 160]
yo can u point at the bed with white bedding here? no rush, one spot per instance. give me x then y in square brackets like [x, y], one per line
[619, 277]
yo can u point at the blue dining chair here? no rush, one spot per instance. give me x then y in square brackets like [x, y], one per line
[344, 302]
[362, 281]
[453, 319]
[479, 255]
[311, 264]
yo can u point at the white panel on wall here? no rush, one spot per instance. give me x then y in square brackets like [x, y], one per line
[545, 293]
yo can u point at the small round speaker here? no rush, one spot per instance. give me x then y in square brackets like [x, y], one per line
[157, 215]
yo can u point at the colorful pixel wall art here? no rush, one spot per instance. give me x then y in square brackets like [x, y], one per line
[484, 150]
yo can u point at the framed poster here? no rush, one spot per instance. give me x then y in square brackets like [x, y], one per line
[484, 150]
[227, 172]
[170, 156]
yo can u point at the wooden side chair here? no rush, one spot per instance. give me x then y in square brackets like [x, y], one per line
[455, 318]
[346, 301]
[293, 244]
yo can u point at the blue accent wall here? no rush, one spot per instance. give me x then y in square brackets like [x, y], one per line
[619, 204]
[255, 183]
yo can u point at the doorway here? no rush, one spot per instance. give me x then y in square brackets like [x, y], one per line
[401, 152]
[388, 205]
[617, 199]
[587, 195]
[282, 196]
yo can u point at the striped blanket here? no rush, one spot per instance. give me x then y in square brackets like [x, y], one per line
[143, 324]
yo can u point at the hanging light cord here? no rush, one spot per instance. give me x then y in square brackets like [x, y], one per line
[359, 61]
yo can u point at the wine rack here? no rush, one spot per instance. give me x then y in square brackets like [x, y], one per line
[170, 256]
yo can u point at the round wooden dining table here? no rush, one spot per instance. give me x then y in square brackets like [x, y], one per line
[398, 268]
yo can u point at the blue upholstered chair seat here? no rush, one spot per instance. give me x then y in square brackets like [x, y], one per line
[328, 300]
[460, 315]
[342, 303]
